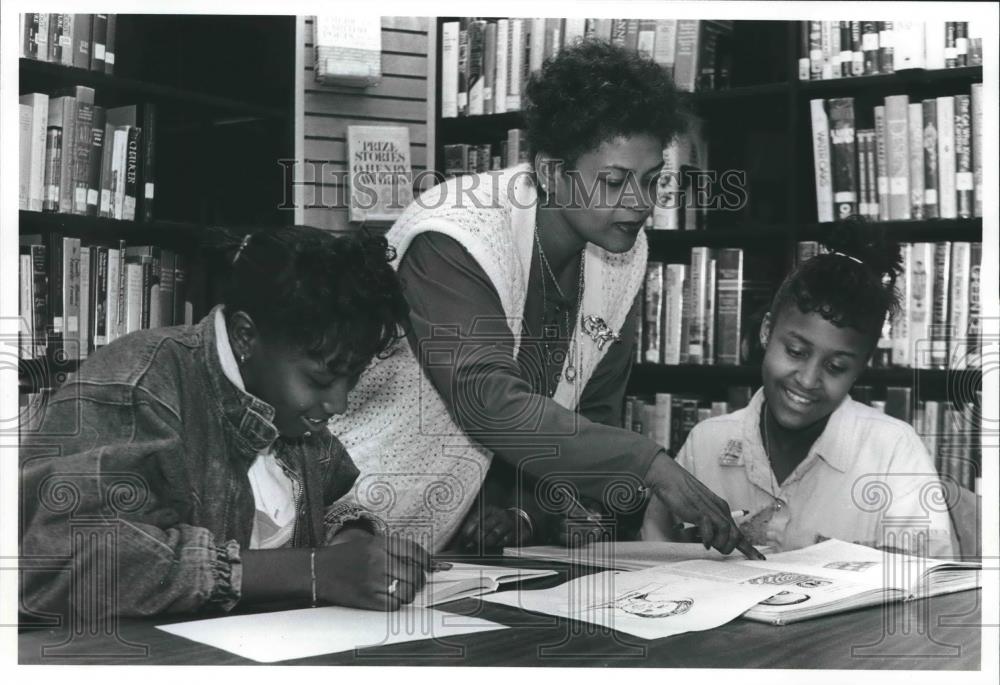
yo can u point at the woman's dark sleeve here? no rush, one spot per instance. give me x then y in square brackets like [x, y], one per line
[453, 303]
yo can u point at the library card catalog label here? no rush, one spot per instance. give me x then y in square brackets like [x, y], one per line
[732, 454]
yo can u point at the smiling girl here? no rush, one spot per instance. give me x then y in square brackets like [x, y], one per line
[202, 451]
[806, 460]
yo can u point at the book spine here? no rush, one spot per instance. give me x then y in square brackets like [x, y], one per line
[961, 257]
[94, 161]
[81, 171]
[821, 161]
[934, 38]
[857, 50]
[975, 330]
[950, 52]
[500, 86]
[133, 297]
[939, 306]
[842, 154]
[107, 173]
[961, 43]
[897, 140]
[29, 43]
[84, 324]
[901, 343]
[729, 284]
[803, 50]
[40, 298]
[474, 67]
[98, 41]
[180, 290]
[109, 44]
[554, 36]
[463, 70]
[880, 201]
[646, 38]
[909, 45]
[114, 279]
[53, 166]
[514, 66]
[871, 158]
[865, 182]
[661, 419]
[55, 38]
[697, 295]
[708, 347]
[886, 47]
[146, 190]
[846, 54]
[166, 289]
[26, 336]
[918, 304]
[449, 69]
[39, 103]
[708, 49]
[131, 173]
[870, 47]
[946, 157]
[931, 203]
[652, 321]
[673, 313]
[665, 43]
[118, 163]
[685, 61]
[915, 150]
[100, 310]
[71, 296]
[121, 322]
[66, 109]
[489, 66]
[535, 43]
[899, 403]
[826, 49]
[81, 41]
[964, 184]
[977, 149]
[25, 142]
[66, 40]
[815, 50]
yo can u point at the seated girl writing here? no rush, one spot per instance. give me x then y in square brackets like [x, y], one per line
[200, 454]
[804, 459]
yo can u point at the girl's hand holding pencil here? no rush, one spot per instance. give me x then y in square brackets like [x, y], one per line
[378, 573]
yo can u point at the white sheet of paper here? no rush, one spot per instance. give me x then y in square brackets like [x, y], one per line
[650, 604]
[300, 633]
[624, 556]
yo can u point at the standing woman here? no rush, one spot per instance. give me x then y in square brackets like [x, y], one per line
[523, 290]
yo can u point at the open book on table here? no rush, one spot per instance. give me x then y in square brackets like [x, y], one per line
[471, 580]
[835, 576]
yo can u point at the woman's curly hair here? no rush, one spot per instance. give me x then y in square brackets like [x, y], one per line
[592, 92]
[315, 290]
[854, 284]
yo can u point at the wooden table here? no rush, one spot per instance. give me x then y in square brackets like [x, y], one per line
[938, 633]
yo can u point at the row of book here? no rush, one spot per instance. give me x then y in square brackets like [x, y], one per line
[485, 64]
[902, 160]
[694, 313]
[85, 41]
[77, 157]
[76, 297]
[667, 418]
[472, 158]
[950, 432]
[842, 49]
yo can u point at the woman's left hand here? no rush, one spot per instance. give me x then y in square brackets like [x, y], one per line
[490, 534]
[350, 532]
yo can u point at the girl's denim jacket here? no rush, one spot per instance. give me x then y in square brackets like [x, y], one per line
[134, 491]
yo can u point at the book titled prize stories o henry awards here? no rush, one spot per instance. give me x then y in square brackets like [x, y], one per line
[380, 174]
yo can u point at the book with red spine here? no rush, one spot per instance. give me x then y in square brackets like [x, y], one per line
[843, 155]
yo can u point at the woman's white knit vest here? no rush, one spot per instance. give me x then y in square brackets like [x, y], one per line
[419, 471]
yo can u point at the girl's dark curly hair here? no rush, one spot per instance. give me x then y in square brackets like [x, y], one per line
[852, 285]
[315, 290]
[593, 91]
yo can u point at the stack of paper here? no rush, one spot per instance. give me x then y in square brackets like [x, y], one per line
[470, 580]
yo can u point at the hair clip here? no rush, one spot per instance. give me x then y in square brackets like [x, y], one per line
[841, 254]
[239, 251]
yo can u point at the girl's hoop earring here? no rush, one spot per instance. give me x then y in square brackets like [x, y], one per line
[243, 359]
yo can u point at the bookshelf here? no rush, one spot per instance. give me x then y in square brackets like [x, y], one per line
[220, 128]
[762, 124]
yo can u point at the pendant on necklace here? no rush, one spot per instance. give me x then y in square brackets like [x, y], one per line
[570, 373]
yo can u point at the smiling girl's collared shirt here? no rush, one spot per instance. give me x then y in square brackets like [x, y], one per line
[868, 479]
